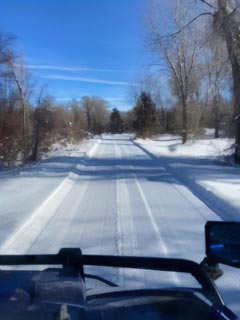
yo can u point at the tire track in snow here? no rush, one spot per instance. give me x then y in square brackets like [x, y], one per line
[26, 235]
[126, 235]
[149, 230]
[192, 212]
[97, 233]
[118, 231]
[123, 223]
[161, 245]
[128, 244]
[196, 211]
[97, 206]
[22, 238]
[61, 224]
[161, 224]
[125, 232]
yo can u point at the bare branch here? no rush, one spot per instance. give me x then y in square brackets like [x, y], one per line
[155, 72]
[234, 10]
[187, 25]
[208, 4]
[172, 67]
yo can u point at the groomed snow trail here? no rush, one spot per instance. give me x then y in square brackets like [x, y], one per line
[117, 200]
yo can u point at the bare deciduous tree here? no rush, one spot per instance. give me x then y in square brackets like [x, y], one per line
[216, 79]
[21, 77]
[225, 22]
[180, 53]
[78, 120]
[96, 112]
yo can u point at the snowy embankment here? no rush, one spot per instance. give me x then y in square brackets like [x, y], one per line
[66, 148]
[201, 164]
[171, 146]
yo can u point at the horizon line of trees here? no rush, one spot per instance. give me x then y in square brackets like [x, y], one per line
[31, 121]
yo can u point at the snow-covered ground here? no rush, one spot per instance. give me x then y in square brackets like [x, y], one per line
[171, 146]
[112, 195]
[200, 165]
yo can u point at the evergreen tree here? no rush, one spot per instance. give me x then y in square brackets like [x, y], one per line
[145, 115]
[116, 123]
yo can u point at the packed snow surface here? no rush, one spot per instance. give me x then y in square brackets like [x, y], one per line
[114, 195]
[200, 165]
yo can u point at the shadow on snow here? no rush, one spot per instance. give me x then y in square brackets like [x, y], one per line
[143, 166]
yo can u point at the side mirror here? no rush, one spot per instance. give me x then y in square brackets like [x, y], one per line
[223, 242]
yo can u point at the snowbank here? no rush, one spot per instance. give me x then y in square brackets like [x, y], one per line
[171, 146]
[63, 147]
[228, 189]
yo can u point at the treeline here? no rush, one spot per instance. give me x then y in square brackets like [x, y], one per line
[31, 121]
[148, 118]
[27, 131]
[203, 115]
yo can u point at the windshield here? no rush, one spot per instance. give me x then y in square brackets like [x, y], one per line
[120, 130]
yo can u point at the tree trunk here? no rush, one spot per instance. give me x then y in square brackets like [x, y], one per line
[184, 120]
[216, 117]
[231, 35]
[236, 96]
[24, 132]
[36, 145]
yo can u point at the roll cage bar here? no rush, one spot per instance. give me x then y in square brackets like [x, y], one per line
[74, 259]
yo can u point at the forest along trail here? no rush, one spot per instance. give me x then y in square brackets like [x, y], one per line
[114, 199]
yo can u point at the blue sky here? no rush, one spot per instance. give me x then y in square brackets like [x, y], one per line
[80, 47]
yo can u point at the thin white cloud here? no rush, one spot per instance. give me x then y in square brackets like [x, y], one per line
[90, 80]
[69, 69]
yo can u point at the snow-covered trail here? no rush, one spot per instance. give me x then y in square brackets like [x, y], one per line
[117, 200]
